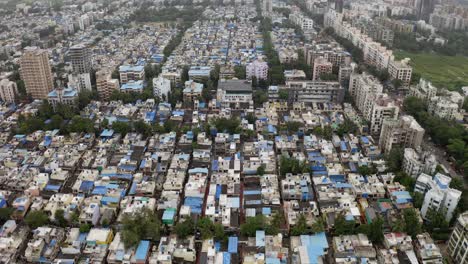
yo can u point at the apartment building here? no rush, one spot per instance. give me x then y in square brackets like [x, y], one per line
[36, 72]
[131, 73]
[437, 194]
[321, 66]
[235, 94]
[65, 96]
[400, 70]
[105, 84]
[415, 163]
[423, 90]
[314, 91]
[375, 106]
[161, 87]
[8, 91]
[257, 68]
[405, 132]
[192, 91]
[331, 51]
[446, 106]
[80, 57]
[458, 243]
[383, 109]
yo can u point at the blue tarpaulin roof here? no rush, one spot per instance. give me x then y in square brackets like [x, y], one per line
[232, 244]
[142, 250]
[260, 238]
[226, 258]
[86, 186]
[315, 245]
[51, 187]
[195, 204]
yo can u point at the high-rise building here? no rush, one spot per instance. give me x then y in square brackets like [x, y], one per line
[458, 243]
[438, 195]
[80, 57]
[375, 106]
[405, 132]
[267, 7]
[8, 91]
[105, 84]
[424, 8]
[321, 66]
[400, 70]
[161, 87]
[36, 72]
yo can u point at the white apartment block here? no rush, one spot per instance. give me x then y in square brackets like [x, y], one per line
[405, 132]
[415, 163]
[374, 53]
[442, 107]
[300, 20]
[161, 87]
[375, 106]
[458, 243]
[423, 90]
[438, 194]
[257, 68]
[131, 73]
[400, 70]
[8, 91]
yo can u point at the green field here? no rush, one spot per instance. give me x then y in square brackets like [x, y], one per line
[443, 71]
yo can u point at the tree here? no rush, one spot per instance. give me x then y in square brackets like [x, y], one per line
[261, 170]
[185, 228]
[231, 125]
[144, 224]
[283, 94]
[36, 219]
[84, 228]
[397, 83]
[293, 126]
[418, 199]
[60, 218]
[239, 72]
[344, 227]
[365, 170]
[319, 225]
[252, 224]
[121, 127]
[411, 222]
[260, 97]
[301, 227]
[375, 230]
[5, 214]
[142, 128]
[457, 183]
[292, 165]
[273, 228]
[394, 159]
[413, 106]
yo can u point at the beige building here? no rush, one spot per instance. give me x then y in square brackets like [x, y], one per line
[458, 243]
[36, 72]
[400, 70]
[405, 132]
[8, 91]
[105, 84]
[321, 66]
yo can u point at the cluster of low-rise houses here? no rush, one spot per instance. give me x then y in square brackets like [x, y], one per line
[198, 170]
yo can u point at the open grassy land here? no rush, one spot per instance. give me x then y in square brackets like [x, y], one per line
[450, 72]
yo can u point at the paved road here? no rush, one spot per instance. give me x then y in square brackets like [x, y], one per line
[441, 157]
